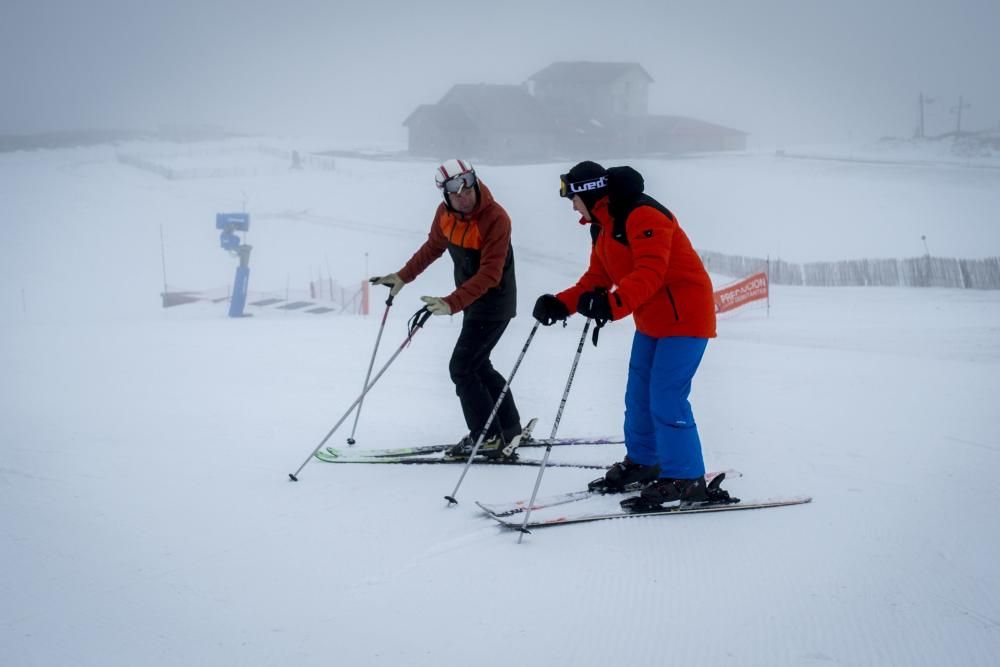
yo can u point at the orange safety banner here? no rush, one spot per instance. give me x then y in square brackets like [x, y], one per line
[741, 292]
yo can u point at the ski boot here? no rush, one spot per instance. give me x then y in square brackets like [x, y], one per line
[667, 492]
[624, 474]
[495, 448]
[461, 449]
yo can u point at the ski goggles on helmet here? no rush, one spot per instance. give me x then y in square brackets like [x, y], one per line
[570, 190]
[456, 184]
[564, 186]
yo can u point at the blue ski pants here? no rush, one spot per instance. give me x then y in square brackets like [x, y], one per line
[659, 424]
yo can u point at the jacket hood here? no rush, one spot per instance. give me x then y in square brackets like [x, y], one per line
[624, 185]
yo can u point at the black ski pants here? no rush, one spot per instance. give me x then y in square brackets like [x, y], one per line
[477, 383]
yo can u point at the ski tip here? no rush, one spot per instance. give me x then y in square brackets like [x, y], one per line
[292, 477]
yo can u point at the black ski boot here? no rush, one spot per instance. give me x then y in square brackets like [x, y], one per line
[665, 493]
[491, 448]
[623, 475]
[495, 448]
[461, 449]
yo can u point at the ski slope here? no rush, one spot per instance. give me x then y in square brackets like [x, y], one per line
[146, 516]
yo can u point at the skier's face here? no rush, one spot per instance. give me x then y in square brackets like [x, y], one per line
[581, 208]
[463, 201]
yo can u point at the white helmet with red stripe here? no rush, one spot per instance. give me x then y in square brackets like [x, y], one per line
[454, 175]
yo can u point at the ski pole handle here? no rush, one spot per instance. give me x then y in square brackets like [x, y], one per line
[374, 281]
[418, 319]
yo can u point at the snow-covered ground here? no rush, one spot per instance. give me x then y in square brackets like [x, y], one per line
[146, 516]
[980, 150]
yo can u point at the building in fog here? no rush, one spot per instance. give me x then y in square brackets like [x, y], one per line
[568, 110]
[500, 123]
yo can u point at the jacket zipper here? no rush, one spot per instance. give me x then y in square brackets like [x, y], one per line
[670, 295]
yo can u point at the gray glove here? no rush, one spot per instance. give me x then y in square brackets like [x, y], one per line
[436, 305]
[393, 280]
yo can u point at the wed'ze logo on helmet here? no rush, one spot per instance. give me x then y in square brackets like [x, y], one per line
[569, 190]
[585, 186]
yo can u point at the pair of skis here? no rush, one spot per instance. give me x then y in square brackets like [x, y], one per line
[560, 509]
[438, 454]
[583, 506]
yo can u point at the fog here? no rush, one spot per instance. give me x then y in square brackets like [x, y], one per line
[786, 71]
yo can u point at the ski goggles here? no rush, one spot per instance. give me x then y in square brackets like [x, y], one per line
[570, 190]
[456, 184]
[564, 186]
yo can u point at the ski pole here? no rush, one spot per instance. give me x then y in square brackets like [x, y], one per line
[378, 339]
[496, 407]
[416, 322]
[555, 427]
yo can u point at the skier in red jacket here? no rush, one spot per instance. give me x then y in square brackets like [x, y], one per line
[642, 264]
[475, 230]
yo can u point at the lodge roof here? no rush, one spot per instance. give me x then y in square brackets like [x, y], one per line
[485, 106]
[586, 72]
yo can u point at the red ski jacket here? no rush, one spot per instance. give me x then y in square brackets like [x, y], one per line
[658, 276]
[479, 245]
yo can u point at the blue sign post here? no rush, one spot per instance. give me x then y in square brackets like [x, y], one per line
[230, 223]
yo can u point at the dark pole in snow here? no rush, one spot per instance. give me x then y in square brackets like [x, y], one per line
[416, 323]
[555, 427]
[496, 407]
[378, 339]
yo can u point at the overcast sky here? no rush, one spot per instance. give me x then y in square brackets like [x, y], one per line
[787, 71]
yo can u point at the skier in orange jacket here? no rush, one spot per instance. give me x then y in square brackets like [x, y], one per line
[475, 230]
[642, 264]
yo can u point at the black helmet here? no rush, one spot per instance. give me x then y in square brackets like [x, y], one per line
[586, 180]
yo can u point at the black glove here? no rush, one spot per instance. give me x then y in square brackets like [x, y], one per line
[595, 305]
[549, 310]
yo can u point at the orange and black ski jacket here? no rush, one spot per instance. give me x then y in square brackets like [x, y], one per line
[479, 245]
[654, 271]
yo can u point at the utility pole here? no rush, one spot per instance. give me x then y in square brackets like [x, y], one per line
[958, 110]
[923, 101]
[928, 268]
[163, 258]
